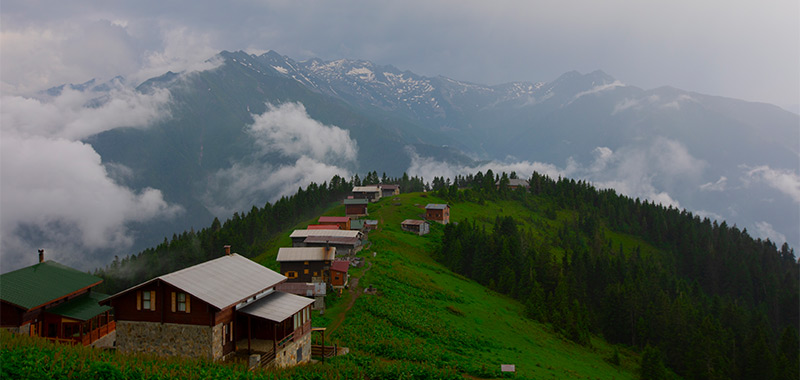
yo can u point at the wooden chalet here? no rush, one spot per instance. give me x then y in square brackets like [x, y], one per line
[339, 275]
[212, 310]
[306, 264]
[370, 193]
[438, 212]
[56, 302]
[389, 190]
[355, 207]
[515, 183]
[419, 227]
[346, 242]
[342, 221]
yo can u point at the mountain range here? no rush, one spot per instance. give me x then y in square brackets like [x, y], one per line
[256, 127]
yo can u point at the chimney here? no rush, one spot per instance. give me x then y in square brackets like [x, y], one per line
[228, 250]
[41, 255]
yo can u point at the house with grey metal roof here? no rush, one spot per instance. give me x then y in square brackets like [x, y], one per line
[356, 207]
[417, 226]
[56, 302]
[212, 310]
[438, 212]
[306, 264]
[370, 193]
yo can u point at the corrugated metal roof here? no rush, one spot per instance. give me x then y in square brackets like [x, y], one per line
[389, 187]
[340, 266]
[331, 240]
[414, 222]
[337, 233]
[366, 189]
[82, 308]
[436, 206]
[277, 307]
[42, 283]
[306, 254]
[356, 201]
[333, 219]
[221, 282]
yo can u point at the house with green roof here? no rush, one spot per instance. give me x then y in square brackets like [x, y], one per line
[54, 301]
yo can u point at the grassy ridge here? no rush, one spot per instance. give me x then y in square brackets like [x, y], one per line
[424, 322]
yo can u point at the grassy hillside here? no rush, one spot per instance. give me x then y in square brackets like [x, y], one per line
[425, 313]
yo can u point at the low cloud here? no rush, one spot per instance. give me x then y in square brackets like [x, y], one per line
[785, 181]
[766, 231]
[55, 190]
[313, 152]
[720, 185]
[646, 171]
[599, 88]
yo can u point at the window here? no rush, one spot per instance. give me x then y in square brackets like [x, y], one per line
[182, 302]
[291, 274]
[316, 274]
[305, 271]
[146, 300]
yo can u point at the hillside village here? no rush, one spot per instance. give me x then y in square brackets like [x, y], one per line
[224, 309]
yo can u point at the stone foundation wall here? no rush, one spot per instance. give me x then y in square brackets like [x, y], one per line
[288, 355]
[169, 339]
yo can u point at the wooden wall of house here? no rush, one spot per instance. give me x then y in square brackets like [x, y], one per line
[10, 315]
[313, 269]
[338, 278]
[125, 307]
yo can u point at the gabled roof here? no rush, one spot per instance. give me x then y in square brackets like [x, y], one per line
[366, 189]
[42, 283]
[336, 233]
[84, 307]
[333, 219]
[356, 201]
[306, 254]
[340, 266]
[277, 307]
[221, 282]
[436, 206]
[414, 222]
[356, 224]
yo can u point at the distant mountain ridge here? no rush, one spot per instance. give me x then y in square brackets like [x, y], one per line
[664, 143]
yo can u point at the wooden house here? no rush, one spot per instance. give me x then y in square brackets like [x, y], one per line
[56, 302]
[342, 221]
[306, 264]
[419, 227]
[515, 183]
[438, 212]
[370, 193]
[213, 309]
[339, 275]
[346, 242]
[355, 207]
[389, 190]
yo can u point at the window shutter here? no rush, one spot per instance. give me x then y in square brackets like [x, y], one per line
[173, 302]
[152, 300]
[188, 304]
[139, 300]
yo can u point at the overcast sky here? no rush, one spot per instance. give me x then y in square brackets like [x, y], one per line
[743, 49]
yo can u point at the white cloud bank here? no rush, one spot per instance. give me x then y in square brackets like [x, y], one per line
[638, 172]
[314, 152]
[785, 181]
[55, 192]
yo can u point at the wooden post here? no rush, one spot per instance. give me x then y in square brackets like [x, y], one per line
[323, 346]
[275, 339]
[248, 335]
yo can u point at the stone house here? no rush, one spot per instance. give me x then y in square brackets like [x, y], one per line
[56, 302]
[213, 309]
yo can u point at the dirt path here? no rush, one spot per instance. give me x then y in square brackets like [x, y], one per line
[356, 292]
